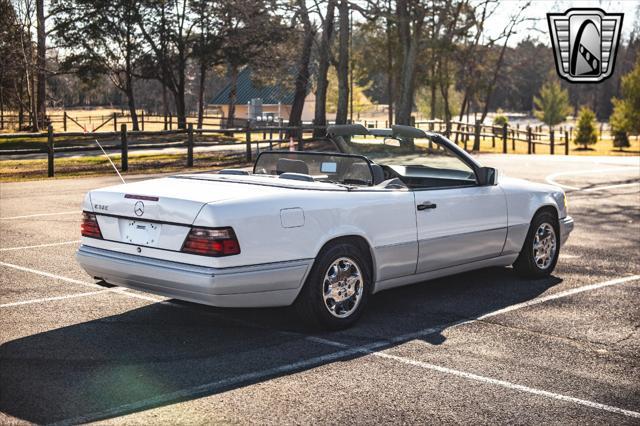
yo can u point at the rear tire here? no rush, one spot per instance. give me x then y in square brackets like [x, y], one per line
[541, 249]
[337, 288]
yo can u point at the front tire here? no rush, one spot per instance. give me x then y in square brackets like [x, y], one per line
[541, 249]
[337, 288]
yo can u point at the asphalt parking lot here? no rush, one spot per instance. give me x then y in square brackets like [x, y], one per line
[480, 347]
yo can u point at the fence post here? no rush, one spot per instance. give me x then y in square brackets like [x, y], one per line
[566, 143]
[476, 136]
[551, 141]
[248, 140]
[170, 121]
[271, 138]
[115, 122]
[529, 142]
[64, 121]
[124, 147]
[504, 138]
[300, 141]
[190, 145]
[142, 119]
[50, 169]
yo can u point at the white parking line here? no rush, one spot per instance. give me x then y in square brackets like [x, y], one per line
[41, 214]
[551, 178]
[69, 296]
[40, 245]
[49, 275]
[509, 385]
[369, 349]
[124, 291]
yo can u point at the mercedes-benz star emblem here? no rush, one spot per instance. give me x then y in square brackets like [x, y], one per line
[138, 209]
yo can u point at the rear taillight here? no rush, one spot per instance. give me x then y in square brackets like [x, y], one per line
[89, 226]
[211, 242]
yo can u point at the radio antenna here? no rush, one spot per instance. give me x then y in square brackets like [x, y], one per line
[109, 158]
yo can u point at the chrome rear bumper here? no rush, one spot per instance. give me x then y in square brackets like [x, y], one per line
[273, 284]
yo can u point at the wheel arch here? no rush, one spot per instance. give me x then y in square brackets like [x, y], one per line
[358, 241]
[550, 208]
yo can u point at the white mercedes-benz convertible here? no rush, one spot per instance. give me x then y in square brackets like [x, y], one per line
[322, 230]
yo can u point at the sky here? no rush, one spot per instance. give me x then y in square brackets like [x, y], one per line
[536, 26]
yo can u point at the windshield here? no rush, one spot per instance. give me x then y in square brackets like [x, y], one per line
[405, 151]
[420, 153]
[324, 167]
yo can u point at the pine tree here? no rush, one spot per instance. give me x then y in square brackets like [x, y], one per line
[620, 124]
[586, 131]
[625, 118]
[552, 106]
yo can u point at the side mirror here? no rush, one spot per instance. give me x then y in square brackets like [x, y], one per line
[487, 176]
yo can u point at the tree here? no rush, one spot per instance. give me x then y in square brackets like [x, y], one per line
[620, 123]
[500, 120]
[302, 73]
[41, 75]
[168, 31]
[324, 60]
[586, 128]
[104, 40]
[627, 109]
[552, 104]
[208, 47]
[12, 69]
[343, 63]
[246, 25]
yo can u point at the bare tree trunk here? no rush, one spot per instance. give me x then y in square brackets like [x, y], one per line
[323, 68]
[232, 96]
[203, 77]
[343, 64]
[432, 99]
[165, 105]
[41, 66]
[132, 105]
[409, 40]
[389, 70]
[20, 105]
[407, 83]
[181, 109]
[33, 104]
[302, 78]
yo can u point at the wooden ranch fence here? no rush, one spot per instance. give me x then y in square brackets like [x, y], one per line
[270, 136]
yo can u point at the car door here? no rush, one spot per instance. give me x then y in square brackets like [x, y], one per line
[458, 221]
[459, 225]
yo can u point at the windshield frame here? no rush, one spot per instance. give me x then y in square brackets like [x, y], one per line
[341, 135]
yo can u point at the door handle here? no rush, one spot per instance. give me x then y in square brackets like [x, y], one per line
[427, 205]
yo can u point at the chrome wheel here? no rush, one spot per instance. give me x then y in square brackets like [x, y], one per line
[342, 287]
[544, 245]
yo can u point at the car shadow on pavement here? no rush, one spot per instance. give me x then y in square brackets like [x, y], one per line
[164, 353]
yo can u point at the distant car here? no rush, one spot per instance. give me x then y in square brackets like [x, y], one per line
[322, 230]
